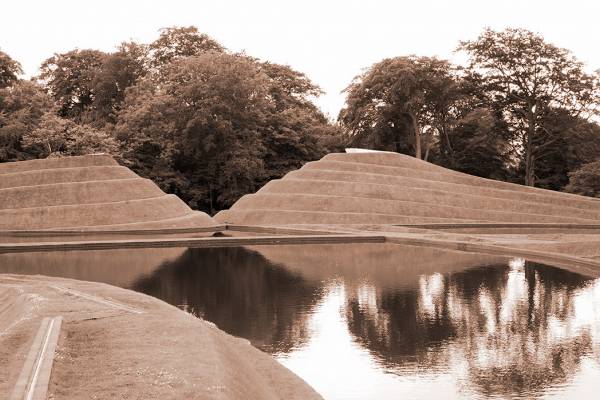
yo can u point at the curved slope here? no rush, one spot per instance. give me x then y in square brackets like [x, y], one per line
[93, 160]
[390, 188]
[72, 193]
[64, 175]
[87, 192]
[159, 352]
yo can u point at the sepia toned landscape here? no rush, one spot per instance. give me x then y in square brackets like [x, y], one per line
[182, 218]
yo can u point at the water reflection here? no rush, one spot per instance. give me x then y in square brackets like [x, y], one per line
[512, 329]
[239, 291]
[382, 321]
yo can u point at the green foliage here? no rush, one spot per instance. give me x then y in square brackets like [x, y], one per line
[69, 78]
[528, 79]
[56, 136]
[118, 71]
[295, 130]
[475, 145]
[89, 85]
[9, 70]
[217, 125]
[211, 126]
[400, 104]
[585, 180]
[180, 42]
[571, 142]
[21, 108]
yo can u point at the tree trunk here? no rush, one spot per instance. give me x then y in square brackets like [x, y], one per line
[210, 196]
[529, 156]
[529, 167]
[417, 131]
[449, 150]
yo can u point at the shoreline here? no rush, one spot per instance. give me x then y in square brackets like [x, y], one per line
[106, 349]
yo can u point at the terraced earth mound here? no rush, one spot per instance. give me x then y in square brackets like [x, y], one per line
[87, 193]
[391, 188]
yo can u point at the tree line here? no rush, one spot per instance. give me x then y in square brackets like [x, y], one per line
[211, 125]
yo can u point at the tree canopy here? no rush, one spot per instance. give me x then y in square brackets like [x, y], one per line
[586, 180]
[22, 106]
[219, 125]
[529, 79]
[399, 102]
[422, 106]
[69, 78]
[204, 123]
[56, 137]
[9, 70]
[211, 125]
[519, 109]
[180, 42]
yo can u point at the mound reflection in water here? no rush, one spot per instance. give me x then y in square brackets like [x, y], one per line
[382, 321]
[504, 329]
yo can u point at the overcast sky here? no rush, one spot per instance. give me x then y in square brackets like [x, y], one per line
[330, 41]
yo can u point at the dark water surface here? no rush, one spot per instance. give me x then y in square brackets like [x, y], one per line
[376, 321]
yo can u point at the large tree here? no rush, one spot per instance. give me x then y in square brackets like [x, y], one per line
[585, 180]
[402, 104]
[118, 71]
[296, 130]
[215, 126]
[69, 78]
[22, 106]
[574, 142]
[475, 143]
[55, 136]
[204, 123]
[89, 85]
[9, 70]
[529, 79]
[180, 42]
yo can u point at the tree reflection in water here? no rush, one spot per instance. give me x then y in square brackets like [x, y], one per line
[240, 291]
[509, 328]
[498, 330]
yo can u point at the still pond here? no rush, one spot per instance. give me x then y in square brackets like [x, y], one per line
[375, 321]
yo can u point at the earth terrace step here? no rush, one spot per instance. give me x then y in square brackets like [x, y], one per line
[310, 202]
[78, 193]
[192, 220]
[409, 162]
[421, 195]
[437, 177]
[53, 163]
[279, 230]
[402, 181]
[388, 159]
[100, 230]
[64, 175]
[496, 225]
[144, 210]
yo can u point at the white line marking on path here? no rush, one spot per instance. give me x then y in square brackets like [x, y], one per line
[36, 372]
[33, 381]
[97, 299]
